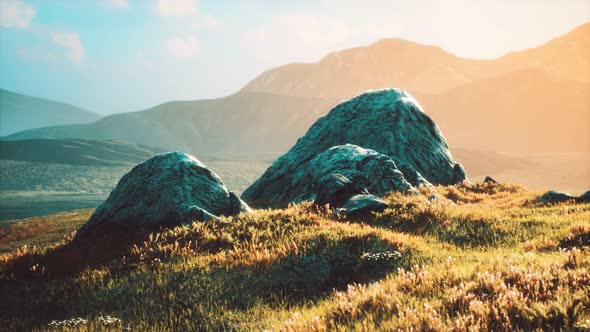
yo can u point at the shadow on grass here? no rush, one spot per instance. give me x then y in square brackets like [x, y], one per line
[39, 287]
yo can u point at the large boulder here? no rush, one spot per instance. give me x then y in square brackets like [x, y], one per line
[337, 174]
[389, 122]
[167, 190]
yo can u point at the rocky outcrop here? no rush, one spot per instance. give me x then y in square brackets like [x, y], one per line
[389, 122]
[337, 174]
[552, 197]
[361, 206]
[167, 190]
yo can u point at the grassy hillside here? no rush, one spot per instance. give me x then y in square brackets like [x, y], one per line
[19, 112]
[482, 256]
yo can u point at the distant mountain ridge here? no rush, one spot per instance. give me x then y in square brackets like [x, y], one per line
[243, 123]
[419, 68]
[77, 152]
[20, 112]
[536, 100]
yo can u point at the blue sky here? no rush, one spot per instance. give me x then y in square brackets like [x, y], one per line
[113, 56]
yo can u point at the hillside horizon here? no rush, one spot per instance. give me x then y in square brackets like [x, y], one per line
[20, 112]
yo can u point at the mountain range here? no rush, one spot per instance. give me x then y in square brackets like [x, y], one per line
[248, 122]
[20, 112]
[532, 100]
[536, 100]
[420, 69]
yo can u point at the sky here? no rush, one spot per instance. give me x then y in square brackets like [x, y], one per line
[112, 56]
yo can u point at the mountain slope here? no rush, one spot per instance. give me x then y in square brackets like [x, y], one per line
[387, 63]
[524, 111]
[566, 57]
[79, 152]
[19, 112]
[420, 68]
[241, 123]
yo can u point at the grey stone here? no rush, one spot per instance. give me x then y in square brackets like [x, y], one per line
[167, 190]
[388, 121]
[584, 198]
[489, 179]
[362, 206]
[553, 196]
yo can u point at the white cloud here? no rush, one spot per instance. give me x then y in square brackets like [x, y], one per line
[72, 43]
[183, 47]
[15, 14]
[176, 7]
[118, 4]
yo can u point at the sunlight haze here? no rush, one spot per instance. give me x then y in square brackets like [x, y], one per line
[88, 53]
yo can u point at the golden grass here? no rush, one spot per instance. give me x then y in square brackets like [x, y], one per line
[40, 231]
[481, 257]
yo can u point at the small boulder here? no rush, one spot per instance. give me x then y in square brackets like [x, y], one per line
[169, 189]
[362, 206]
[552, 197]
[584, 198]
[490, 180]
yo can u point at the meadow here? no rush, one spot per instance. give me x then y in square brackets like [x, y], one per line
[478, 257]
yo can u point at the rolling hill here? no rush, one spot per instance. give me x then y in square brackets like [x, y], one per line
[77, 152]
[242, 123]
[19, 112]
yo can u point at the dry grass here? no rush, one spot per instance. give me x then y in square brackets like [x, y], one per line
[40, 231]
[481, 257]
